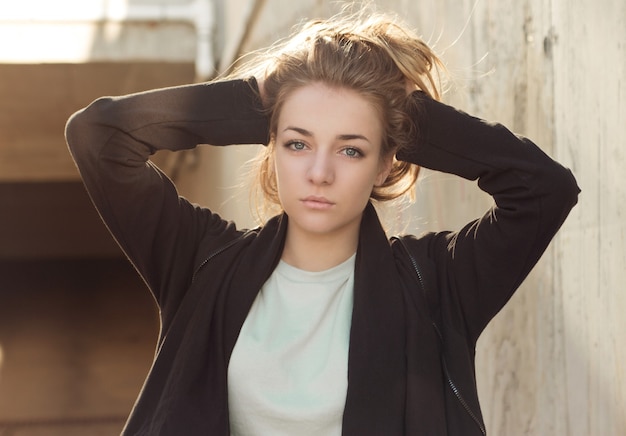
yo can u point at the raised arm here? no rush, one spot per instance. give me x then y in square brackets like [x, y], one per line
[111, 141]
[483, 263]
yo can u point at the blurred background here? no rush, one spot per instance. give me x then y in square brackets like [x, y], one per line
[78, 327]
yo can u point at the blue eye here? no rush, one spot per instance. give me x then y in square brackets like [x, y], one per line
[296, 145]
[352, 152]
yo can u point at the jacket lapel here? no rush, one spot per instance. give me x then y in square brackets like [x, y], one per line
[375, 402]
[255, 265]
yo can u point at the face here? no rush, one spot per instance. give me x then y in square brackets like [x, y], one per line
[327, 159]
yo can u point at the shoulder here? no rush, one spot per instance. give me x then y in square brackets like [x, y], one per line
[420, 262]
[427, 246]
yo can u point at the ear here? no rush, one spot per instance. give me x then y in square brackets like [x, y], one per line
[384, 169]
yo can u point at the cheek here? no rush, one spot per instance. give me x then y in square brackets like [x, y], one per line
[362, 182]
[383, 170]
[284, 174]
[278, 166]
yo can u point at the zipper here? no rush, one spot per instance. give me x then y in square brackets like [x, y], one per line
[217, 252]
[204, 262]
[451, 384]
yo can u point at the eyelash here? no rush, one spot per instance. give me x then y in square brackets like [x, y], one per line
[357, 153]
[291, 145]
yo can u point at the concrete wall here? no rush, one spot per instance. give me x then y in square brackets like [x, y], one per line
[590, 270]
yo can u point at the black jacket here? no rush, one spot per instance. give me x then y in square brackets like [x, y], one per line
[419, 303]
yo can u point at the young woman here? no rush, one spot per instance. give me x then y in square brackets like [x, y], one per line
[316, 323]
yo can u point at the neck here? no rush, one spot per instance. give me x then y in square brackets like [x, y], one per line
[314, 252]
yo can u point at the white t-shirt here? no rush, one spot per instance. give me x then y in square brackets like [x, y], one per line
[288, 373]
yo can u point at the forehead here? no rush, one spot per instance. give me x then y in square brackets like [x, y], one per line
[330, 111]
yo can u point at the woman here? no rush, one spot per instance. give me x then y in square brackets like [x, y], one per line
[316, 323]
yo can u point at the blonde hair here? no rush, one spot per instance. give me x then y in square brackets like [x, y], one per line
[373, 55]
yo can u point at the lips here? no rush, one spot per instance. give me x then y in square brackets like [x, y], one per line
[318, 203]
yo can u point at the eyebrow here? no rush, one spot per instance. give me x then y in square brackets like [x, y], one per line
[343, 137]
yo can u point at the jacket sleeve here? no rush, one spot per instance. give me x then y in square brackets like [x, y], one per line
[486, 261]
[111, 141]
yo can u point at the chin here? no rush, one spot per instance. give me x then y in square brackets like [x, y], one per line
[313, 226]
[322, 225]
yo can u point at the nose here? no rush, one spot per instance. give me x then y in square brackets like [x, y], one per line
[321, 170]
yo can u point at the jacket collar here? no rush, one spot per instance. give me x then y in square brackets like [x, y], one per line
[377, 362]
